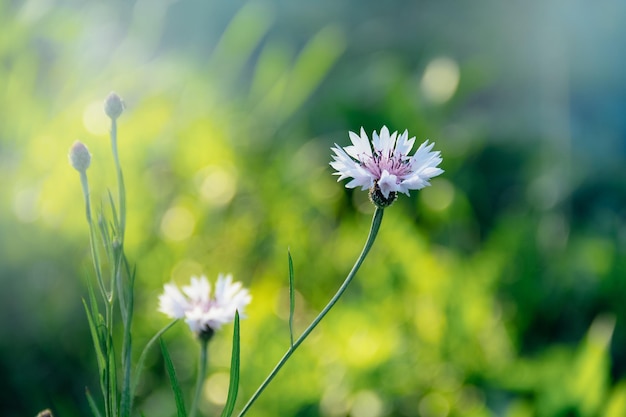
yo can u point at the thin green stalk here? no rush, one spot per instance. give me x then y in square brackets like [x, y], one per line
[376, 221]
[126, 402]
[85, 186]
[106, 379]
[120, 180]
[125, 297]
[204, 343]
[118, 251]
[111, 371]
[92, 234]
[121, 221]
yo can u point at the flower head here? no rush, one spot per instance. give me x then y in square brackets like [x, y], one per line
[385, 167]
[114, 105]
[202, 312]
[79, 156]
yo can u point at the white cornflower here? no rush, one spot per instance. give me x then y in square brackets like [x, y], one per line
[205, 314]
[388, 168]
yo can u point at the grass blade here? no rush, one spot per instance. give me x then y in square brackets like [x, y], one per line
[116, 219]
[292, 297]
[126, 399]
[93, 327]
[142, 357]
[233, 387]
[112, 374]
[171, 372]
[92, 404]
[97, 346]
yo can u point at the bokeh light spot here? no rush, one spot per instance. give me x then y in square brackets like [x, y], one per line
[217, 185]
[545, 192]
[367, 404]
[363, 348]
[440, 80]
[177, 224]
[429, 320]
[185, 269]
[439, 196]
[334, 402]
[216, 388]
[95, 120]
[434, 405]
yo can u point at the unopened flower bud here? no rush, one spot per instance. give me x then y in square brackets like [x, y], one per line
[79, 156]
[113, 106]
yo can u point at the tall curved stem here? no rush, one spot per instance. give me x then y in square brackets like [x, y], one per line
[376, 221]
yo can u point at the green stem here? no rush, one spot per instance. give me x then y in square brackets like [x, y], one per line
[376, 221]
[126, 400]
[120, 181]
[120, 221]
[125, 297]
[92, 234]
[204, 343]
[108, 383]
[111, 368]
[85, 186]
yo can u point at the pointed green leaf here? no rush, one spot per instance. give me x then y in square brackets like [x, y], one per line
[292, 297]
[233, 387]
[105, 235]
[171, 372]
[126, 396]
[113, 376]
[98, 343]
[95, 337]
[92, 404]
[144, 353]
[114, 211]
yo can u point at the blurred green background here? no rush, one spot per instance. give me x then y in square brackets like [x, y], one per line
[498, 291]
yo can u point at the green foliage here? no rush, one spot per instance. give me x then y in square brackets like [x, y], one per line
[233, 386]
[497, 291]
[171, 373]
[292, 299]
[142, 358]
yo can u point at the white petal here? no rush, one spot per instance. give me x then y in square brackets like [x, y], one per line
[172, 302]
[199, 291]
[360, 146]
[343, 164]
[404, 145]
[431, 172]
[423, 158]
[195, 320]
[414, 182]
[230, 296]
[348, 168]
[387, 183]
[361, 178]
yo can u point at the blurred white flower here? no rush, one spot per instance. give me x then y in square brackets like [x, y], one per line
[388, 169]
[205, 314]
